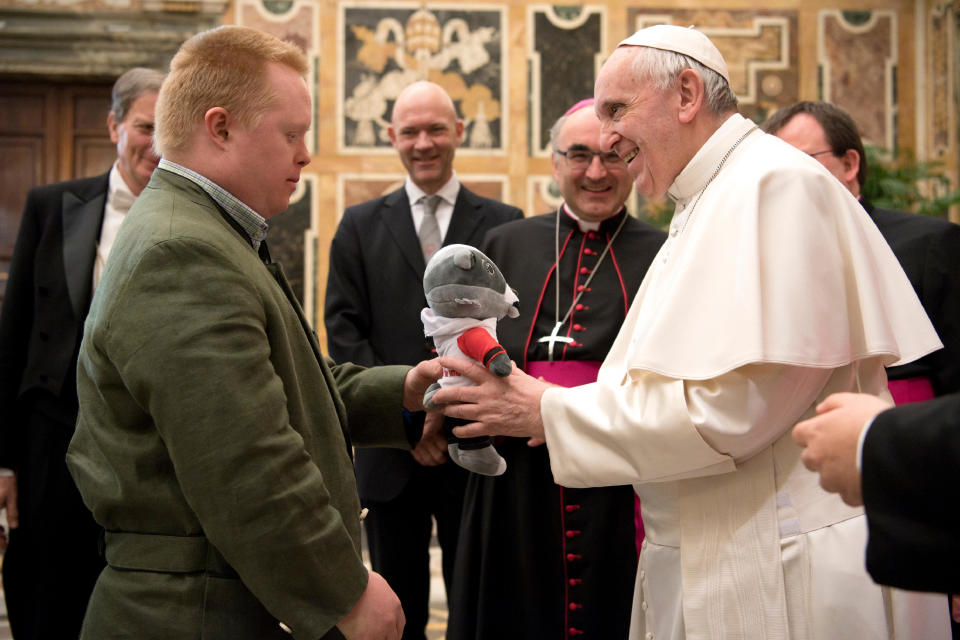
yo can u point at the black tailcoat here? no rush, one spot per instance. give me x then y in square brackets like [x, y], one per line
[53, 559]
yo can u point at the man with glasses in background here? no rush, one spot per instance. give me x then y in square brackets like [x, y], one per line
[537, 560]
[927, 248]
[65, 236]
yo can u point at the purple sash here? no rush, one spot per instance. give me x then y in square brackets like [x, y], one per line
[910, 390]
[566, 373]
[573, 373]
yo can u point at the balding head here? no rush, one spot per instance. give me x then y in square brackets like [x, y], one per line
[420, 94]
[426, 132]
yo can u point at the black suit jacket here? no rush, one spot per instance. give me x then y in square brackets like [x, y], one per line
[911, 475]
[46, 301]
[375, 295]
[929, 253]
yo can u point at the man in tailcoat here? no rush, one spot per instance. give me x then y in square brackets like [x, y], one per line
[65, 236]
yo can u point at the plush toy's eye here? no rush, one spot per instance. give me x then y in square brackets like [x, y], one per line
[488, 267]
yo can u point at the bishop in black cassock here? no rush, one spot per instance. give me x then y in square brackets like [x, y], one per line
[536, 560]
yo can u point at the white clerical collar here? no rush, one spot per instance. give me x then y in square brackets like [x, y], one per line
[585, 225]
[703, 164]
[448, 192]
[119, 194]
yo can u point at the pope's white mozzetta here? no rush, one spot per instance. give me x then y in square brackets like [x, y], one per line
[773, 291]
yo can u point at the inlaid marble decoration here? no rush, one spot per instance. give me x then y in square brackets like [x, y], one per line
[384, 48]
[354, 188]
[566, 45]
[542, 195]
[759, 46]
[943, 74]
[292, 243]
[296, 22]
[857, 53]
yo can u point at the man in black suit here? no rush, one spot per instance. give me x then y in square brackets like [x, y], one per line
[372, 314]
[927, 248]
[904, 470]
[52, 559]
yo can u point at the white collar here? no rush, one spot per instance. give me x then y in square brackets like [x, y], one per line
[448, 192]
[119, 194]
[585, 225]
[698, 171]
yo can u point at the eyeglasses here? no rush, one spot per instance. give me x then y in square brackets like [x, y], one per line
[819, 153]
[581, 158]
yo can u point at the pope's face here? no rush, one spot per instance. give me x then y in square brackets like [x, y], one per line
[639, 123]
[269, 156]
[598, 190]
[134, 139]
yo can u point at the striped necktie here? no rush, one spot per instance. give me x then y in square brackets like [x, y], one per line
[430, 239]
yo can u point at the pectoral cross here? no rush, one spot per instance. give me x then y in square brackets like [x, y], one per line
[553, 338]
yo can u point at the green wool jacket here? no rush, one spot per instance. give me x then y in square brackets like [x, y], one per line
[213, 440]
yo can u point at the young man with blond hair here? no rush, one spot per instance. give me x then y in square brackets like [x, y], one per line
[214, 439]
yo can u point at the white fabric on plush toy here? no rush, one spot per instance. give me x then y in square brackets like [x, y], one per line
[445, 332]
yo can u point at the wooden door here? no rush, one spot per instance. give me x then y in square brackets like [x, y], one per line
[48, 133]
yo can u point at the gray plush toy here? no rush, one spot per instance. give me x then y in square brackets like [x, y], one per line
[467, 294]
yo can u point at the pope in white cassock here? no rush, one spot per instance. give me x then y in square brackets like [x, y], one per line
[773, 291]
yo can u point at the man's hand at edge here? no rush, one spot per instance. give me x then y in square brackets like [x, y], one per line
[377, 615]
[8, 501]
[830, 441]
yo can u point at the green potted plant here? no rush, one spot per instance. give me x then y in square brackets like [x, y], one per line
[907, 184]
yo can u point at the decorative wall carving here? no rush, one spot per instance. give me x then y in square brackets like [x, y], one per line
[385, 48]
[71, 44]
[857, 53]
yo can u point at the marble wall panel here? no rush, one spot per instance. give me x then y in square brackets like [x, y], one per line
[383, 48]
[858, 58]
[944, 60]
[542, 195]
[565, 48]
[759, 46]
[297, 22]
